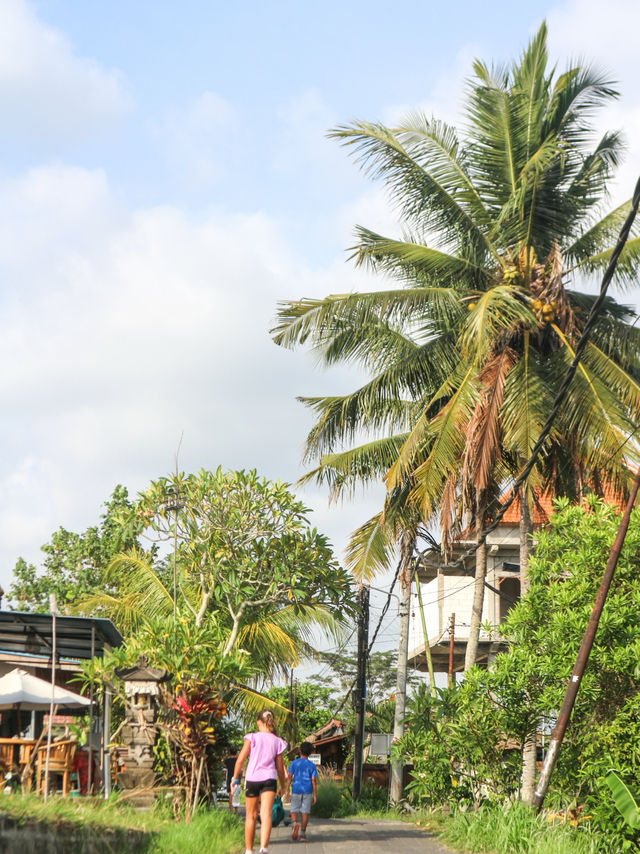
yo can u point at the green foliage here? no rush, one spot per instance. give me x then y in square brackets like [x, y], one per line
[456, 745]
[626, 801]
[313, 706]
[74, 564]
[372, 800]
[381, 674]
[333, 800]
[545, 629]
[222, 831]
[246, 556]
[473, 735]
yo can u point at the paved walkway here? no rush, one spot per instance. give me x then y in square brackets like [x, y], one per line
[356, 836]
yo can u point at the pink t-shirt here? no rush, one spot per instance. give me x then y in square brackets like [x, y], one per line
[265, 746]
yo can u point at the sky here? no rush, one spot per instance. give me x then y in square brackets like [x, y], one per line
[165, 179]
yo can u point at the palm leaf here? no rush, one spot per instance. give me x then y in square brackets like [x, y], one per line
[421, 195]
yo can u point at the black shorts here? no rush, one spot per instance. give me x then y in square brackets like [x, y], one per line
[255, 789]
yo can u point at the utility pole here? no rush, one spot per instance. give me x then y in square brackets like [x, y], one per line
[452, 632]
[361, 689]
[583, 653]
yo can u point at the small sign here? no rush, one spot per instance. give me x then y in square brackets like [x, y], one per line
[315, 758]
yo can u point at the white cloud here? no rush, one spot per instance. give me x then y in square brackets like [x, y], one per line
[47, 92]
[121, 329]
[195, 139]
[579, 30]
[446, 97]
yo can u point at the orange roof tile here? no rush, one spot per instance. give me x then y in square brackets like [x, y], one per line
[543, 506]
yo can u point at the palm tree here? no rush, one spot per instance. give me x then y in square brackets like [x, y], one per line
[466, 354]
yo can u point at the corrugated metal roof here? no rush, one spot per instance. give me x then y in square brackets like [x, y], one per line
[23, 633]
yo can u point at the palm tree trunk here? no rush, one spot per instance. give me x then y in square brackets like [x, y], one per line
[528, 778]
[478, 587]
[406, 578]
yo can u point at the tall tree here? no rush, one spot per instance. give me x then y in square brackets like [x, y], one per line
[247, 559]
[467, 354]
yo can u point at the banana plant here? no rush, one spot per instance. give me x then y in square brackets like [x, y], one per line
[625, 800]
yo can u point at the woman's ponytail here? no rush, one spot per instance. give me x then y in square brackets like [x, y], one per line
[267, 718]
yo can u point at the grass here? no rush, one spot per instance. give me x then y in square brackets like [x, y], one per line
[222, 831]
[514, 829]
[95, 812]
[494, 829]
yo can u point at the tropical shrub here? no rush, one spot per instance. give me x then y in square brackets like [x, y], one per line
[465, 744]
[330, 800]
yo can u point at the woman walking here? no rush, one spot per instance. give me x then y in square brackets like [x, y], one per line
[264, 749]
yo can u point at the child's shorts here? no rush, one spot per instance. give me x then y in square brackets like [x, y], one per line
[300, 803]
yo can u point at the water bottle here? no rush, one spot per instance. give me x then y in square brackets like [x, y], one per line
[235, 797]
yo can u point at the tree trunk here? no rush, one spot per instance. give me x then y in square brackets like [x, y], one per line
[478, 586]
[528, 778]
[406, 577]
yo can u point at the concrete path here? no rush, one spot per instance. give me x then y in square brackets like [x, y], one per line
[356, 836]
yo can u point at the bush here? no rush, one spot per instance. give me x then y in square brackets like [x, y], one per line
[330, 800]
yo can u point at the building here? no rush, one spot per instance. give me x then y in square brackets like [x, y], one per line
[447, 594]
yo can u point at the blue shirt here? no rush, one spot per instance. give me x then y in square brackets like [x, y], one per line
[302, 770]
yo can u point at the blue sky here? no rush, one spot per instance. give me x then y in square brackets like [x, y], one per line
[165, 178]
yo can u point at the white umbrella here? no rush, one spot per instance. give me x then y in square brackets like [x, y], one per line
[31, 693]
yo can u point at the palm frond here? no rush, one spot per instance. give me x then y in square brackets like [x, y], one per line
[601, 236]
[317, 321]
[356, 467]
[496, 312]
[414, 261]
[370, 549]
[628, 262]
[443, 441]
[526, 403]
[422, 197]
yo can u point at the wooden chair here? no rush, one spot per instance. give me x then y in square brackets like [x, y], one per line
[60, 762]
[6, 756]
[25, 764]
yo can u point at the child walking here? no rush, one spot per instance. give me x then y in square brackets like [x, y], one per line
[302, 778]
[264, 750]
